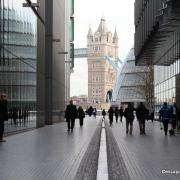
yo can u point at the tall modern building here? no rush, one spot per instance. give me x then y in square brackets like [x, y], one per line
[55, 58]
[101, 75]
[157, 42]
[18, 54]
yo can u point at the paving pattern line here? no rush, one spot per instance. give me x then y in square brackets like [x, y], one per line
[102, 171]
[87, 169]
[117, 169]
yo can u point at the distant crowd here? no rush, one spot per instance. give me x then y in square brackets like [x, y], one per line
[167, 114]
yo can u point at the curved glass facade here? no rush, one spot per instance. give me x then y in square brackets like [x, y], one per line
[18, 55]
[130, 83]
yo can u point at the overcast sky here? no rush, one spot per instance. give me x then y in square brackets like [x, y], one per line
[119, 14]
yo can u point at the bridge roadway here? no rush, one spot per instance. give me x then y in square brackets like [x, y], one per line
[51, 153]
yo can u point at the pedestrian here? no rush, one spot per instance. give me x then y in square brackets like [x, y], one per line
[111, 113]
[151, 116]
[116, 113]
[3, 115]
[121, 113]
[103, 114]
[142, 114]
[81, 115]
[174, 111]
[165, 116]
[94, 113]
[129, 115]
[15, 115]
[89, 111]
[70, 115]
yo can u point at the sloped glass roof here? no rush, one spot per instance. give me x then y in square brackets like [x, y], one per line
[130, 83]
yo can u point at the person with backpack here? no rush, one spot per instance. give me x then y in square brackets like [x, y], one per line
[141, 113]
[165, 116]
[129, 115]
[81, 115]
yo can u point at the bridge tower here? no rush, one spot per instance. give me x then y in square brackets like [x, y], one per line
[101, 75]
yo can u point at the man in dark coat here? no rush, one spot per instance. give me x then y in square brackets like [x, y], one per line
[116, 112]
[111, 113]
[3, 115]
[141, 113]
[121, 113]
[71, 115]
[129, 115]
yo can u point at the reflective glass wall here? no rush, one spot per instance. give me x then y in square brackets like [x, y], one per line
[18, 63]
[165, 83]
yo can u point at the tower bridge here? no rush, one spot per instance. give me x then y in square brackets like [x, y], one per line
[82, 53]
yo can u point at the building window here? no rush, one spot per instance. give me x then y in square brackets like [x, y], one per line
[96, 39]
[96, 48]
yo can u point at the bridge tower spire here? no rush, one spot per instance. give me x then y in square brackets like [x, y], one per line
[101, 75]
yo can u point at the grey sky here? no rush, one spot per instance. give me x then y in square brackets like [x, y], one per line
[119, 14]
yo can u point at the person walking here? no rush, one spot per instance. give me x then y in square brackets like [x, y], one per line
[165, 116]
[151, 116]
[129, 115]
[121, 113]
[116, 113]
[141, 113]
[94, 113]
[81, 115]
[70, 115]
[111, 113]
[3, 115]
[103, 114]
[174, 111]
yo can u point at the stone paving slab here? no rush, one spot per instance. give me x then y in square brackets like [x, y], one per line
[49, 153]
[145, 156]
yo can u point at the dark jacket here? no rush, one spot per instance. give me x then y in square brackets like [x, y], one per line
[121, 112]
[81, 113]
[3, 111]
[165, 113]
[103, 112]
[111, 113]
[142, 112]
[129, 113]
[116, 112]
[71, 112]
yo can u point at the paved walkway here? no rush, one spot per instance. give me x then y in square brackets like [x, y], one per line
[49, 153]
[146, 156]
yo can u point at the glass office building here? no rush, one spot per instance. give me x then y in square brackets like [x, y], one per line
[131, 82]
[166, 83]
[18, 55]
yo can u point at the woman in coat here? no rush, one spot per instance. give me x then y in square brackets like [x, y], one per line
[81, 115]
